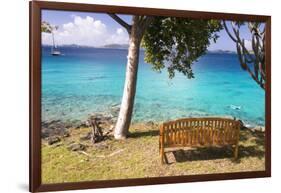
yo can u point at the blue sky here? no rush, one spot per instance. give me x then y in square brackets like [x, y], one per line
[98, 29]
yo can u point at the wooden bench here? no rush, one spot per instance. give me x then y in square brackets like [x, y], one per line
[196, 132]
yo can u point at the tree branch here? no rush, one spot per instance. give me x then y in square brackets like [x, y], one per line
[228, 32]
[121, 22]
[241, 42]
[145, 21]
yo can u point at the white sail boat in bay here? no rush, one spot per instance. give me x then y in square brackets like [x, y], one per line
[55, 51]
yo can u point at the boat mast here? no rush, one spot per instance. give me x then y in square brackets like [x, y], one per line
[53, 37]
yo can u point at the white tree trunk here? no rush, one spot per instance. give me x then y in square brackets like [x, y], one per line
[127, 104]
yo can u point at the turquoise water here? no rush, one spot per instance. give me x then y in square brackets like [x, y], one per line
[88, 80]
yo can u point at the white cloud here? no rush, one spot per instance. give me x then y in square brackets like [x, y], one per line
[119, 31]
[119, 37]
[86, 31]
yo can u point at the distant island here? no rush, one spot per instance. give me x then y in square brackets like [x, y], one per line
[116, 46]
[109, 46]
[221, 52]
[125, 46]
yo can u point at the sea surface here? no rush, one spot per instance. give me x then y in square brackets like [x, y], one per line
[90, 80]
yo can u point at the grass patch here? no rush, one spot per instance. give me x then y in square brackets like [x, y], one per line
[138, 157]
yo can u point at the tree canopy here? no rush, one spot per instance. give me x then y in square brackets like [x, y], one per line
[47, 27]
[175, 43]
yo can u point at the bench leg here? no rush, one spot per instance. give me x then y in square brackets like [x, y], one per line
[162, 156]
[236, 148]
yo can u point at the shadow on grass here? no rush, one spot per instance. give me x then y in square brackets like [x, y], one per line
[258, 136]
[212, 153]
[138, 134]
[251, 143]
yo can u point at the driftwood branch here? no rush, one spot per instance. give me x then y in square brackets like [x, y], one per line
[121, 22]
[96, 135]
[112, 154]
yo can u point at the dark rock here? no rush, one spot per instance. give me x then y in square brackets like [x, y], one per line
[150, 123]
[53, 140]
[69, 143]
[57, 145]
[76, 147]
[81, 125]
[68, 124]
[66, 134]
[45, 133]
[53, 128]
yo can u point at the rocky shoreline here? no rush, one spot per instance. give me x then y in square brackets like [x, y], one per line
[107, 120]
[60, 128]
[53, 131]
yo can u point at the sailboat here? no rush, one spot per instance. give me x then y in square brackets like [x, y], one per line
[55, 51]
